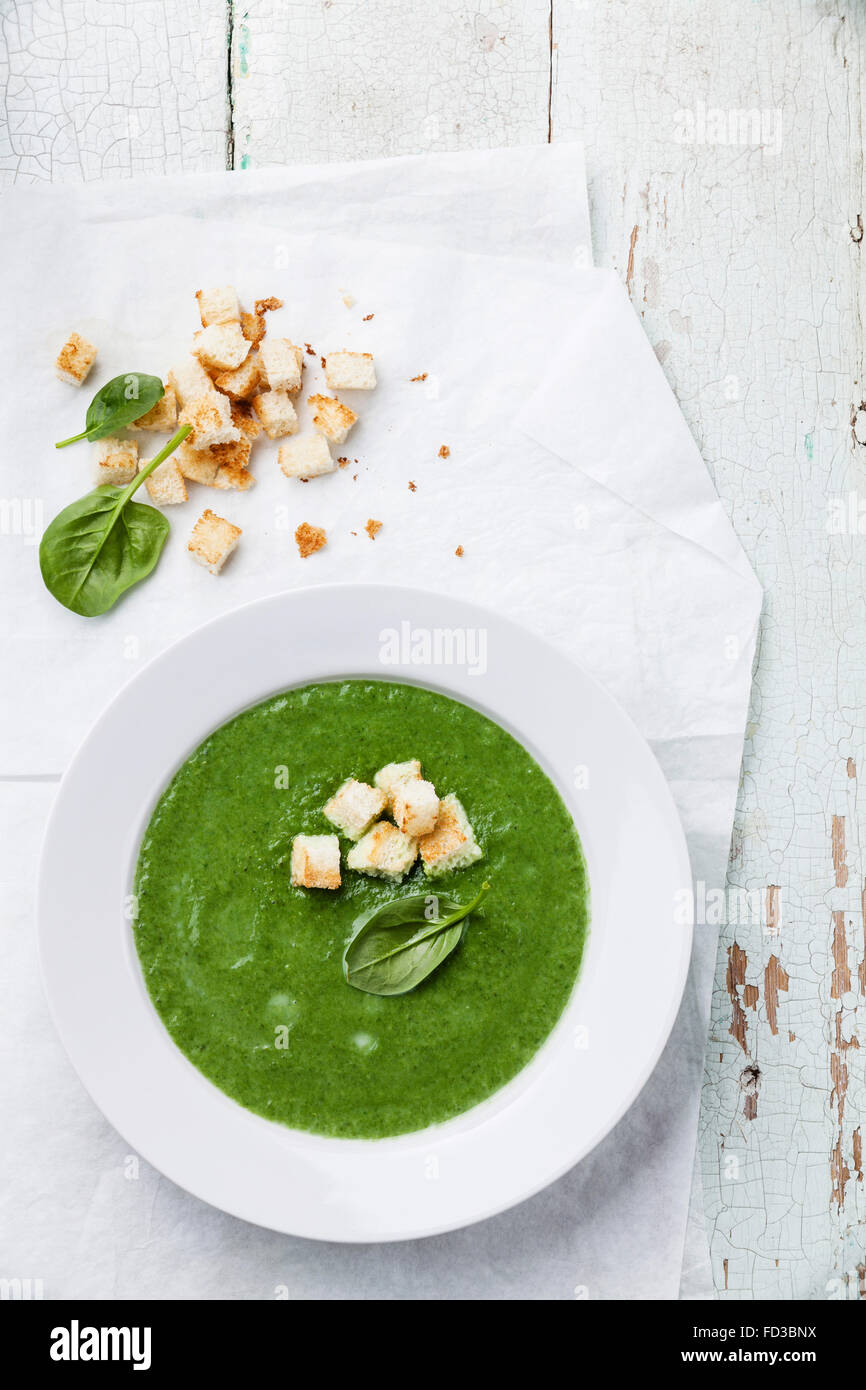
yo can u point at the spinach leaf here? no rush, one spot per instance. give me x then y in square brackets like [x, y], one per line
[119, 402]
[397, 945]
[101, 545]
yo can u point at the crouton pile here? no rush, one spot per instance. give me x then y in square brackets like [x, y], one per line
[235, 385]
[420, 824]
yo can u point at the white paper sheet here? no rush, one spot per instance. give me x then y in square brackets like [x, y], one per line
[583, 509]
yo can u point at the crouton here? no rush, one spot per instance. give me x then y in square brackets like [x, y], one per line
[75, 359]
[244, 381]
[331, 417]
[162, 417]
[221, 346]
[165, 485]
[354, 807]
[308, 456]
[309, 539]
[253, 327]
[282, 364]
[276, 412]
[115, 461]
[233, 477]
[245, 418]
[389, 777]
[315, 861]
[198, 465]
[203, 465]
[212, 541]
[210, 421]
[218, 306]
[416, 807]
[452, 845]
[350, 371]
[384, 852]
[190, 381]
[236, 455]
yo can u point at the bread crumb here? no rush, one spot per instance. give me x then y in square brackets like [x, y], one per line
[344, 463]
[264, 306]
[459, 551]
[422, 377]
[413, 487]
[367, 318]
[311, 351]
[373, 528]
[445, 452]
[309, 539]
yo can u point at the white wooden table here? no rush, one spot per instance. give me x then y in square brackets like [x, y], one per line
[726, 182]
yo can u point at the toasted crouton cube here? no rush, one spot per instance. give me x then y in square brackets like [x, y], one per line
[210, 420]
[232, 477]
[354, 807]
[384, 852]
[253, 327]
[162, 418]
[282, 364]
[115, 461]
[75, 359]
[243, 383]
[218, 306]
[165, 484]
[198, 465]
[204, 465]
[331, 418]
[212, 541]
[221, 346]
[350, 371]
[308, 456]
[452, 845]
[391, 775]
[416, 807]
[246, 420]
[309, 539]
[315, 861]
[276, 412]
[190, 381]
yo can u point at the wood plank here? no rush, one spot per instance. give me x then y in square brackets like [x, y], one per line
[739, 240]
[110, 90]
[340, 80]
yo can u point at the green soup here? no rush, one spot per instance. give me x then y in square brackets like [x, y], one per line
[246, 972]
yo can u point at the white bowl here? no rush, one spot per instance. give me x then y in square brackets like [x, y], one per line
[581, 1081]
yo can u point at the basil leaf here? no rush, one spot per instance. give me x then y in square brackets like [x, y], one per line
[101, 545]
[119, 402]
[397, 945]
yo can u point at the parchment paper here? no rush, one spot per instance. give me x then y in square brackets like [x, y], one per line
[584, 511]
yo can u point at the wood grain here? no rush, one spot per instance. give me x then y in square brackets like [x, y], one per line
[744, 260]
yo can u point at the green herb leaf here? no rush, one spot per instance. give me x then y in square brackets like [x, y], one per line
[397, 945]
[101, 545]
[119, 402]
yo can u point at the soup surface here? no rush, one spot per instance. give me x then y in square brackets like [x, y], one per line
[246, 971]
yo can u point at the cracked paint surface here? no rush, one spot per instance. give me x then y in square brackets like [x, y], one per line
[744, 263]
